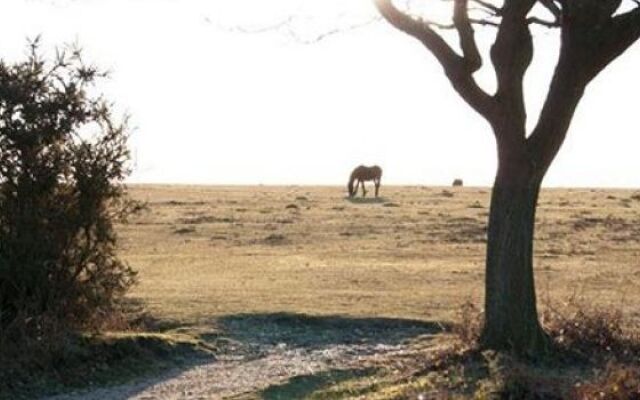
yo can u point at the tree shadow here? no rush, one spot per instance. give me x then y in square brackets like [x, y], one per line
[312, 332]
[300, 387]
[117, 367]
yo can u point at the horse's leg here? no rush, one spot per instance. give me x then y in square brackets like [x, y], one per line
[364, 191]
[377, 182]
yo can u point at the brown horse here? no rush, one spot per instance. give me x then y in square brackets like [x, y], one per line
[362, 174]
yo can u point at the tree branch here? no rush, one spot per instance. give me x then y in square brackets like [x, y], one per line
[459, 69]
[566, 90]
[420, 30]
[553, 8]
[468, 43]
[582, 57]
[623, 31]
[511, 55]
[543, 22]
[495, 10]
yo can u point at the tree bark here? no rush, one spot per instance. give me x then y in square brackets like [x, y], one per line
[511, 317]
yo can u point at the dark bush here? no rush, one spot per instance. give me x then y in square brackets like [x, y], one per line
[63, 159]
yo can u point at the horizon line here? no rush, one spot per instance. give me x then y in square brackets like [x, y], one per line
[200, 184]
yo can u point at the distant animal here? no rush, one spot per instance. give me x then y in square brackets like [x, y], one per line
[361, 174]
[457, 182]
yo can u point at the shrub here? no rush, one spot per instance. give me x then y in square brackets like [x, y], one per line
[616, 382]
[593, 332]
[469, 324]
[63, 159]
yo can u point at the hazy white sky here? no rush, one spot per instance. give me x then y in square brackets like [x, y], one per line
[214, 105]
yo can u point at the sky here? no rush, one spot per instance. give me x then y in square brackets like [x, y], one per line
[223, 92]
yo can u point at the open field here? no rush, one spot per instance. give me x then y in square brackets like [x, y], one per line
[207, 252]
[302, 293]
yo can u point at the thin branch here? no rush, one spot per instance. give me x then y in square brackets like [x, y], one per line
[485, 7]
[269, 28]
[324, 35]
[553, 8]
[474, 21]
[543, 22]
[287, 26]
[484, 22]
[493, 8]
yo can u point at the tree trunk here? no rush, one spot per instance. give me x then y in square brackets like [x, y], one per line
[511, 317]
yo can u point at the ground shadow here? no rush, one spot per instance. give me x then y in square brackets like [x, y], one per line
[250, 336]
[311, 331]
[148, 350]
[365, 200]
[302, 386]
[132, 363]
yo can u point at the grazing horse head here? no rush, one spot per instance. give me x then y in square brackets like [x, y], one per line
[350, 188]
[361, 174]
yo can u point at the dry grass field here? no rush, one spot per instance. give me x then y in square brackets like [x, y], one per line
[416, 253]
[300, 293]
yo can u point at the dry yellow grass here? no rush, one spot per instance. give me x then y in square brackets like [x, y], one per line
[203, 252]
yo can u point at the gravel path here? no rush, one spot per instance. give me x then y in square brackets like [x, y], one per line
[257, 365]
[228, 377]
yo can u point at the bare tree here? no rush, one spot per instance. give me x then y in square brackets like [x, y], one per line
[592, 34]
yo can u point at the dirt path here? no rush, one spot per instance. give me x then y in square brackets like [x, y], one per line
[224, 378]
[272, 353]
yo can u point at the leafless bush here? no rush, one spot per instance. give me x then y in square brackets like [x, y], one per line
[469, 324]
[616, 382]
[592, 332]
